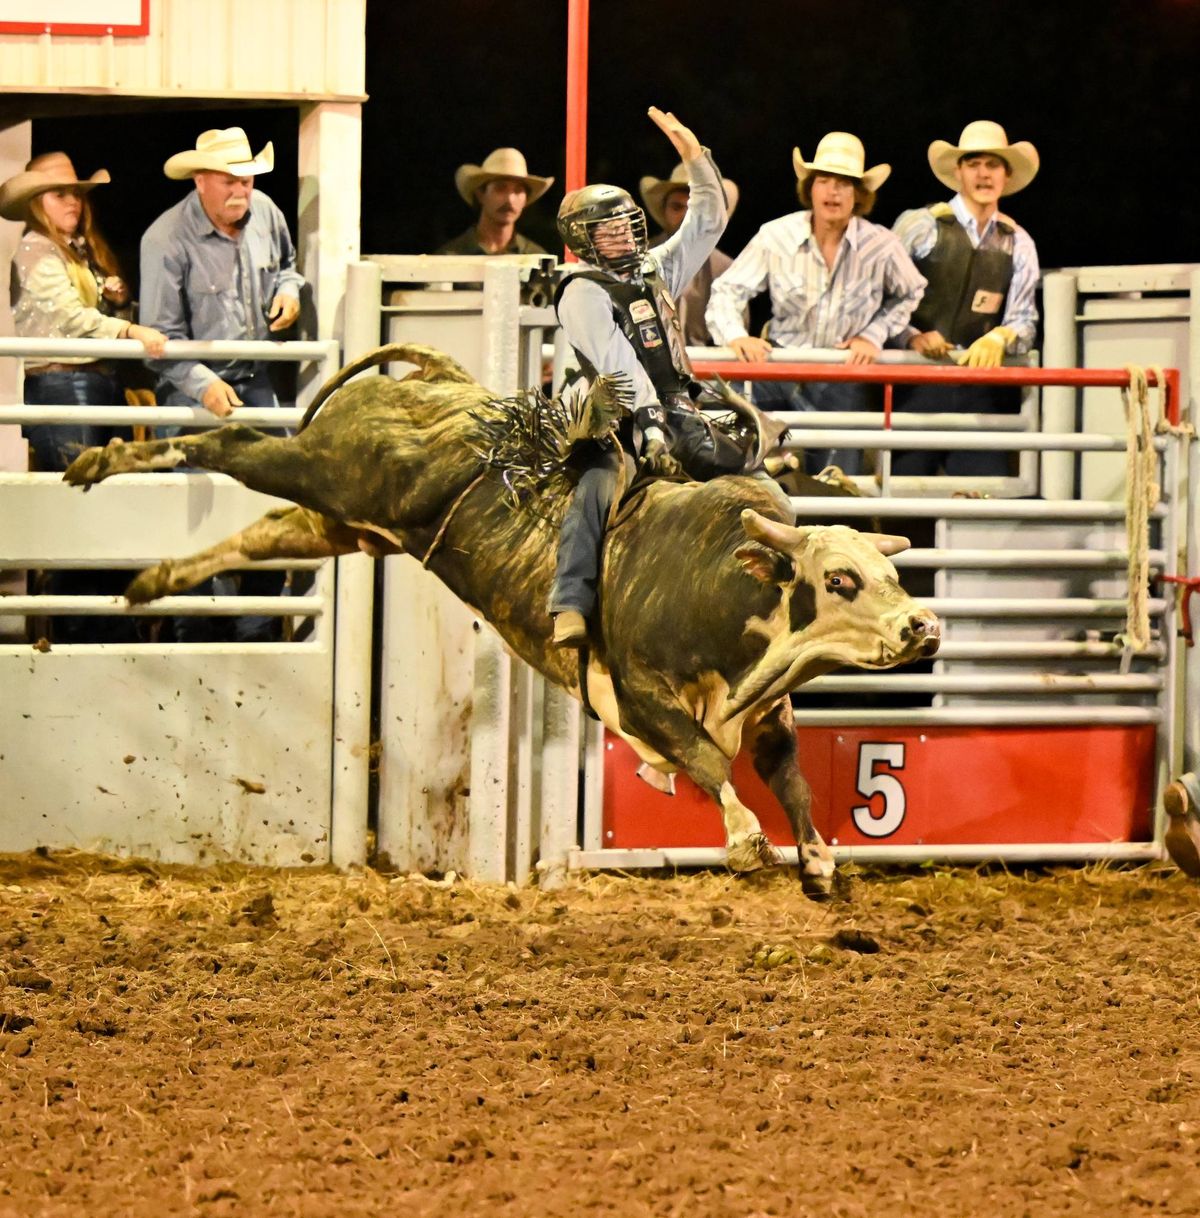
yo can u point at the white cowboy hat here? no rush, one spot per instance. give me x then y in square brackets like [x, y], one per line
[981, 137]
[654, 192]
[502, 163]
[226, 151]
[53, 171]
[841, 153]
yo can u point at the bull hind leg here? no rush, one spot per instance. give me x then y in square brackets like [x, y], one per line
[274, 465]
[772, 745]
[684, 742]
[290, 532]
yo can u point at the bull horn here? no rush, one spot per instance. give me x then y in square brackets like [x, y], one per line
[887, 543]
[785, 538]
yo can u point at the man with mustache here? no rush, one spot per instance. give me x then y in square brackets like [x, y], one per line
[221, 265]
[502, 187]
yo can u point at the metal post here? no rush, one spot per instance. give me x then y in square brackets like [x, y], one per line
[351, 711]
[364, 297]
[1191, 666]
[491, 722]
[1059, 293]
[560, 785]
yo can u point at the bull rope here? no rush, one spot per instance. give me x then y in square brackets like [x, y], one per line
[437, 541]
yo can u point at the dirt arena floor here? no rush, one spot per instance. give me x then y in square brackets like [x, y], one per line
[945, 1042]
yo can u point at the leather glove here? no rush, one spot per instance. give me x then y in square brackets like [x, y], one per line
[657, 459]
[988, 351]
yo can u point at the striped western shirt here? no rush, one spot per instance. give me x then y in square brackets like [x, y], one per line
[870, 293]
[917, 230]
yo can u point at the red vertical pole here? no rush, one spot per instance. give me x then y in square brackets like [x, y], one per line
[577, 89]
[887, 404]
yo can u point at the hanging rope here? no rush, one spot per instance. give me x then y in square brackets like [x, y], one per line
[1141, 494]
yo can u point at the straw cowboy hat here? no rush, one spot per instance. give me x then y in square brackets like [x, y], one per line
[54, 172]
[983, 137]
[502, 163]
[654, 192]
[841, 153]
[226, 151]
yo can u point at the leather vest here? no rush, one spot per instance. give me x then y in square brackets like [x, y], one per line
[967, 287]
[647, 316]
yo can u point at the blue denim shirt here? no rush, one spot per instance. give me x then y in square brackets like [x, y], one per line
[198, 283]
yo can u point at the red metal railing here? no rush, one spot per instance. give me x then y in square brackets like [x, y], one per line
[577, 97]
[934, 374]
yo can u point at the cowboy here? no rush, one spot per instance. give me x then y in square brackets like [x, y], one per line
[666, 200]
[219, 265]
[502, 187]
[982, 270]
[617, 310]
[836, 280]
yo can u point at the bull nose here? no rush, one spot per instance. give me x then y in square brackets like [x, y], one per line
[924, 625]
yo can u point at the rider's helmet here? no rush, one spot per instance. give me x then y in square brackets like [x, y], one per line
[581, 214]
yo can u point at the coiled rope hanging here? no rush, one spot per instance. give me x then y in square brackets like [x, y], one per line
[1141, 494]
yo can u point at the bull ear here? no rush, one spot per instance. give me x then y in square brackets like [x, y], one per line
[887, 543]
[785, 538]
[766, 565]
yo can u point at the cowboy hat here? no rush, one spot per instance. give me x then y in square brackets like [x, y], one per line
[841, 153]
[654, 192]
[502, 163]
[50, 171]
[226, 151]
[983, 137]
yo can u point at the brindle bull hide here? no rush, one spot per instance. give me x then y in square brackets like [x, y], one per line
[714, 606]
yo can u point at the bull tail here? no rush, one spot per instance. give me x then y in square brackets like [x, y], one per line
[432, 365]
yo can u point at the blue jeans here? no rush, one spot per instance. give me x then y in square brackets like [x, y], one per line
[55, 445]
[256, 391]
[949, 399]
[577, 566]
[820, 395]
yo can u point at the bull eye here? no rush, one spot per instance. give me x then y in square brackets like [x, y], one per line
[842, 583]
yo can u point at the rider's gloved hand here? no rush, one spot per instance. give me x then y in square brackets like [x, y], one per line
[988, 351]
[657, 460]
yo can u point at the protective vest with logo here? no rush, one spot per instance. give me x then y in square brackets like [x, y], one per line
[967, 287]
[647, 316]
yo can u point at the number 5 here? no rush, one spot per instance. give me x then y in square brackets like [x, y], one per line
[888, 785]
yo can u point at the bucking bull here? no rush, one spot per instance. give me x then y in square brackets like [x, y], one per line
[714, 606]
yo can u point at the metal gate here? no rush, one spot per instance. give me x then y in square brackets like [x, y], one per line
[181, 752]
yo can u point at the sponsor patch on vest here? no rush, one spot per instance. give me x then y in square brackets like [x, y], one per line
[986, 302]
[650, 334]
[641, 310]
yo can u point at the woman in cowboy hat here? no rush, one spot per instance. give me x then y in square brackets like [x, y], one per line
[666, 200]
[66, 284]
[983, 271]
[502, 187]
[836, 281]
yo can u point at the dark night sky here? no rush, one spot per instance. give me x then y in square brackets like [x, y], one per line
[1105, 90]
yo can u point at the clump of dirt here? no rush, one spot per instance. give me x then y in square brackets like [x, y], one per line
[237, 1041]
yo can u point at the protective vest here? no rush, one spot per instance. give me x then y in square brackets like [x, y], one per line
[647, 316]
[967, 287]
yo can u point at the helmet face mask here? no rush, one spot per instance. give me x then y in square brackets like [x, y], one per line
[602, 225]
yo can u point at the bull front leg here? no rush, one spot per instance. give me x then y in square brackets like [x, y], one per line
[650, 711]
[290, 532]
[771, 741]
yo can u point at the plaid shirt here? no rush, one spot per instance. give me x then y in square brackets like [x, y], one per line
[870, 293]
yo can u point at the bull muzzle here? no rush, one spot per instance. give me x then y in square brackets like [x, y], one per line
[924, 632]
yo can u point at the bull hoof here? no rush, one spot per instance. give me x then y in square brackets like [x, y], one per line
[751, 853]
[816, 872]
[150, 584]
[1182, 838]
[90, 467]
